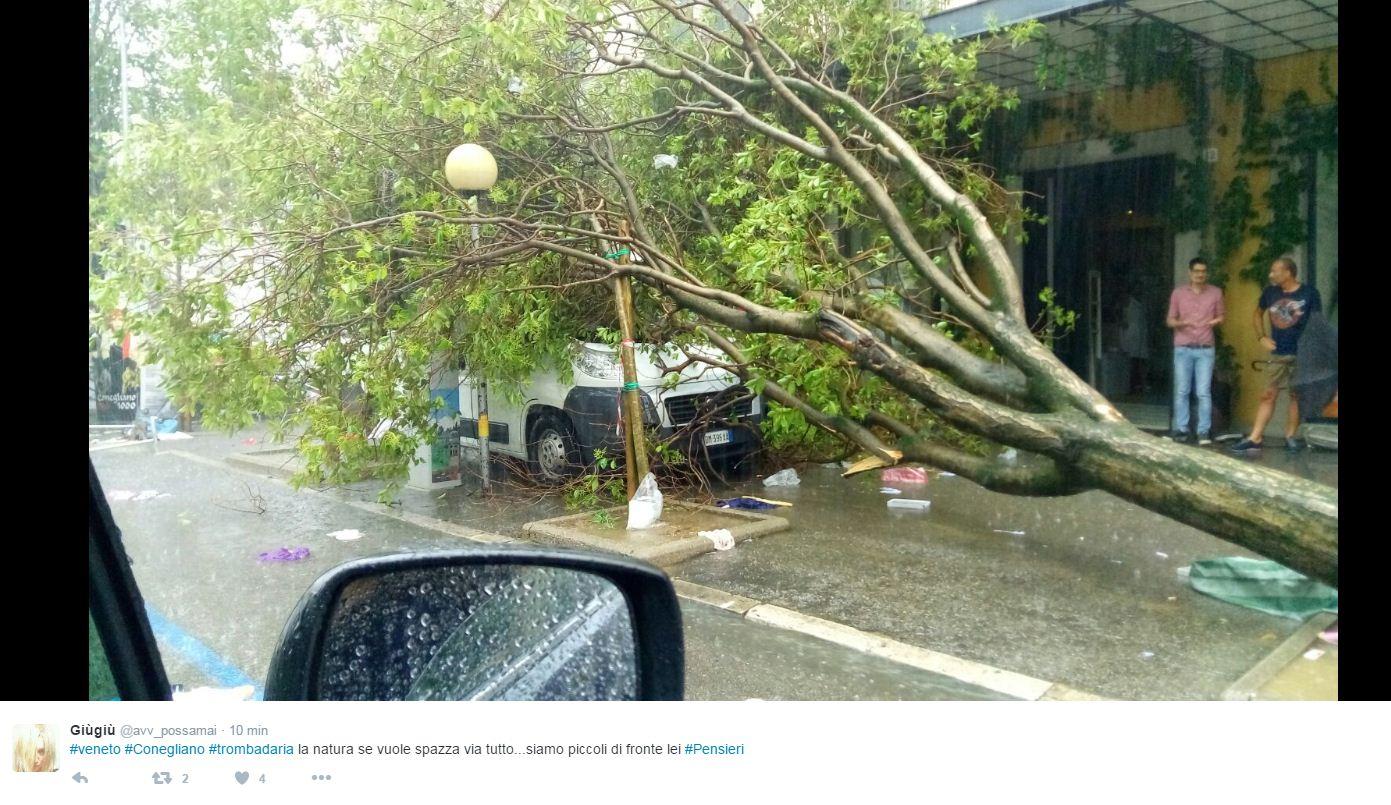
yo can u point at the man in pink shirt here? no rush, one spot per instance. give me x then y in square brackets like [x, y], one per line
[1194, 309]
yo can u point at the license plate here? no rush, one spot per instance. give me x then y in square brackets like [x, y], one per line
[715, 437]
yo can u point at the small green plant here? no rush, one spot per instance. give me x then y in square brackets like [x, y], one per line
[1055, 321]
[598, 487]
[603, 519]
[666, 452]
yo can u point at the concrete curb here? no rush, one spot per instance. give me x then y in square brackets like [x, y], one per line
[567, 531]
[1245, 688]
[278, 463]
[101, 447]
[425, 521]
[1062, 693]
[978, 674]
[263, 471]
[716, 598]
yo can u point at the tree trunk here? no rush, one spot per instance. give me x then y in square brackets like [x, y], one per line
[1285, 518]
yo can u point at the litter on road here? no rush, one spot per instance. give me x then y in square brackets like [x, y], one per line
[1161, 554]
[1313, 654]
[346, 535]
[1003, 531]
[285, 555]
[1262, 585]
[787, 477]
[889, 490]
[723, 538]
[904, 475]
[872, 463]
[910, 504]
[750, 502]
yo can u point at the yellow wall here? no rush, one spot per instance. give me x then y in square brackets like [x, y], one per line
[1143, 110]
[1161, 108]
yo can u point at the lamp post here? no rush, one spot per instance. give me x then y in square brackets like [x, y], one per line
[470, 168]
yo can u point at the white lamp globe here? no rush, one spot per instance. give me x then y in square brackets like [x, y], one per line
[470, 167]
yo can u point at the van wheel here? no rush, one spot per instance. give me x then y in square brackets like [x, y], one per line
[553, 450]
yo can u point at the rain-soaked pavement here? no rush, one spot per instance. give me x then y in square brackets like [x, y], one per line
[1080, 590]
[218, 611]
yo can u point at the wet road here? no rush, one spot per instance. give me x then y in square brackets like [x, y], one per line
[218, 611]
[1080, 590]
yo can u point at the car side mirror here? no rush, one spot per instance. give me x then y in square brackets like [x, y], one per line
[511, 623]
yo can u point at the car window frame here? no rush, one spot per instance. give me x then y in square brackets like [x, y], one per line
[117, 608]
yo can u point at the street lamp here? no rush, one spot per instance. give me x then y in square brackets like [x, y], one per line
[470, 168]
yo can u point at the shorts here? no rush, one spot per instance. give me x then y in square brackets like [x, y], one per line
[1278, 372]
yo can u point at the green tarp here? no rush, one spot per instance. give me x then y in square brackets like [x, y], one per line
[1262, 585]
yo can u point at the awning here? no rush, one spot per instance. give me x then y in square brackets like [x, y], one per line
[1257, 29]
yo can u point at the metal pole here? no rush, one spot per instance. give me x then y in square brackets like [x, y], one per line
[482, 386]
[632, 403]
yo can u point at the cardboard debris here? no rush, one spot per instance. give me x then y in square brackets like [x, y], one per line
[872, 463]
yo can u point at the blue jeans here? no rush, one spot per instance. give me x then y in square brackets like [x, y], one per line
[1193, 372]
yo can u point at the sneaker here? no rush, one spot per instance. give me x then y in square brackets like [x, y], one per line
[1245, 445]
[1181, 438]
[1204, 439]
[1294, 445]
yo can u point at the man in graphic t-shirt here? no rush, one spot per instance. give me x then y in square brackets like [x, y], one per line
[1289, 305]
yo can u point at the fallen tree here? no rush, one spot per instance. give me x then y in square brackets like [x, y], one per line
[789, 128]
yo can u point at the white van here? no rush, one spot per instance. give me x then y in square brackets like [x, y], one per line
[559, 426]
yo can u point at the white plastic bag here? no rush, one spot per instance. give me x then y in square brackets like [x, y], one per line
[645, 509]
[723, 538]
[787, 477]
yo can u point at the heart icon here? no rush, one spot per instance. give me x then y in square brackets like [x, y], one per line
[242, 777]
